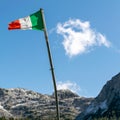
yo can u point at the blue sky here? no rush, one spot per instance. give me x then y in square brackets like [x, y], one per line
[84, 38]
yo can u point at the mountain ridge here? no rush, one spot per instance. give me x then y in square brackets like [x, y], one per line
[22, 103]
[107, 102]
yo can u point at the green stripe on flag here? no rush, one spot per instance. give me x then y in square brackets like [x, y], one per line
[37, 21]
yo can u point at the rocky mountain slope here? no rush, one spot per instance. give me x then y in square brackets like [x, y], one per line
[22, 103]
[107, 103]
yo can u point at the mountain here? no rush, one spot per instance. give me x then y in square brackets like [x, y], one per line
[22, 103]
[106, 104]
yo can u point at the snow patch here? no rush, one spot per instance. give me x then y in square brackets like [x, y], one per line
[94, 107]
[103, 105]
[4, 110]
[1, 107]
[24, 104]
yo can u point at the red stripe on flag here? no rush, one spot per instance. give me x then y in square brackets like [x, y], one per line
[14, 25]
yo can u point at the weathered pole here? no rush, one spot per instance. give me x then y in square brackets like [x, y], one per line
[51, 65]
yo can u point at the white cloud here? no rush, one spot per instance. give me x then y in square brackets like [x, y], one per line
[68, 85]
[79, 38]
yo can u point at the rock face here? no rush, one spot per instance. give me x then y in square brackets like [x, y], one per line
[22, 103]
[107, 103]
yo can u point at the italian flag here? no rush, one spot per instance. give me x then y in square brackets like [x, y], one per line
[34, 21]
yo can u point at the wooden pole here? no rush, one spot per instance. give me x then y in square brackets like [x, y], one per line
[51, 65]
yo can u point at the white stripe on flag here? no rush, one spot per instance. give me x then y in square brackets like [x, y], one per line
[25, 23]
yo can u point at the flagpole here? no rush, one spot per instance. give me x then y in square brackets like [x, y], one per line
[51, 64]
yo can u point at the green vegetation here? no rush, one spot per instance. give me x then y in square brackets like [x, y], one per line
[3, 118]
[66, 118]
[105, 118]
